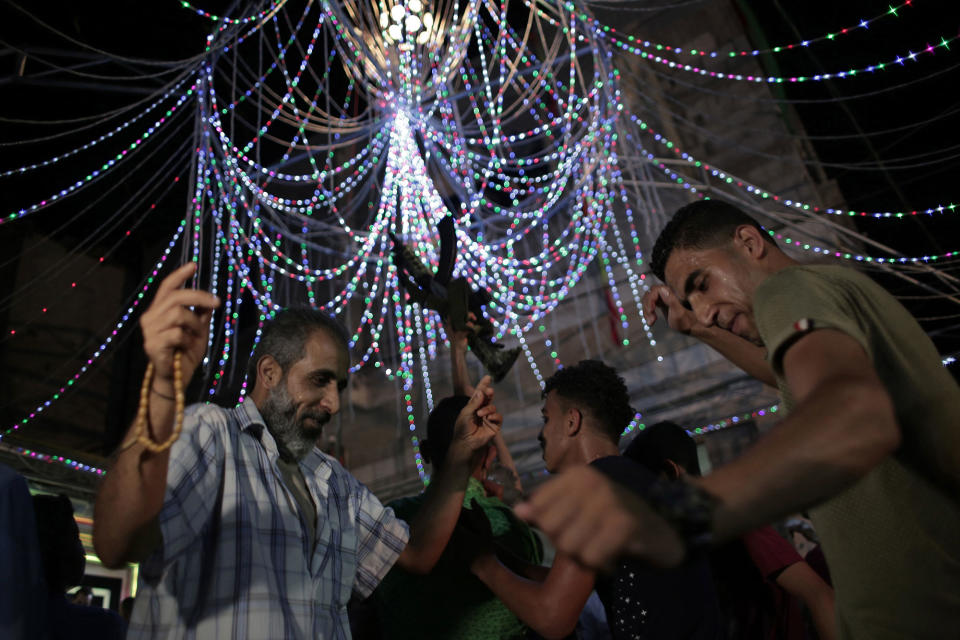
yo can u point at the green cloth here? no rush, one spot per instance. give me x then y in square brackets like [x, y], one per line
[892, 540]
[450, 602]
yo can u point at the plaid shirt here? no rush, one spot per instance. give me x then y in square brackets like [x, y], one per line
[235, 561]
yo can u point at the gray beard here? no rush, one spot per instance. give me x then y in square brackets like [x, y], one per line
[294, 440]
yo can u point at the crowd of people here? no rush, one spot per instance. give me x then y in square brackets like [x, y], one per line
[245, 528]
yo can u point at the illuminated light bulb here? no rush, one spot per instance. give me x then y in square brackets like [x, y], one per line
[428, 20]
[423, 37]
[395, 32]
[397, 12]
[384, 21]
[416, 6]
[412, 23]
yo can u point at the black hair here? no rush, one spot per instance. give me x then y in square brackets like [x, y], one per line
[699, 225]
[285, 335]
[597, 388]
[664, 441]
[440, 429]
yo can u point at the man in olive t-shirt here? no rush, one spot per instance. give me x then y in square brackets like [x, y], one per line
[872, 439]
[892, 539]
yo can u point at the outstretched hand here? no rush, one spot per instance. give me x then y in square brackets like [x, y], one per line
[596, 521]
[170, 325]
[478, 423]
[678, 316]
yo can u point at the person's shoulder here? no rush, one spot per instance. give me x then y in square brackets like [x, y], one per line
[91, 622]
[206, 412]
[800, 275]
[625, 471]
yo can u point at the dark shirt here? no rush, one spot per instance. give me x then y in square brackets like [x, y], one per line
[754, 606]
[644, 602]
[23, 589]
[70, 621]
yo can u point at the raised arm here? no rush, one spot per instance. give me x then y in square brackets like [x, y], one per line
[431, 528]
[458, 357]
[550, 607]
[740, 352]
[132, 492]
[462, 386]
[506, 461]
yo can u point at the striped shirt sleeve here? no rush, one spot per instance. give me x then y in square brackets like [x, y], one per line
[381, 538]
[193, 482]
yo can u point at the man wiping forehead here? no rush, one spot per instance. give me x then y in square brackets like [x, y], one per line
[872, 440]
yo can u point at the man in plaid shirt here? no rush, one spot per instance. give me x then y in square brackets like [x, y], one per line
[244, 527]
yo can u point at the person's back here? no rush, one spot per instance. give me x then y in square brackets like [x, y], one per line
[450, 602]
[891, 537]
[63, 563]
[23, 607]
[643, 601]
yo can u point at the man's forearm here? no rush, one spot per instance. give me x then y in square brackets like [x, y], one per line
[743, 353]
[433, 525]
[506, 461]
[132, 492]
[841, 431]
[550, 606]
[458, 368]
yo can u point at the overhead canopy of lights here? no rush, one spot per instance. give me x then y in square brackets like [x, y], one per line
[321, 127]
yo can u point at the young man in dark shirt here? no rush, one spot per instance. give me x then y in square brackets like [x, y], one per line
[586, 408]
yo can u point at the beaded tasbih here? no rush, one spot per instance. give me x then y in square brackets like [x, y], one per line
[141, 432]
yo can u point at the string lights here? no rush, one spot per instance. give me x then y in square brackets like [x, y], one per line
[322, 129]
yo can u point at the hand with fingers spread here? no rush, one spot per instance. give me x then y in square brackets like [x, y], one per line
[678, 316]
[170, 325]
[477, 424]
[595, 520]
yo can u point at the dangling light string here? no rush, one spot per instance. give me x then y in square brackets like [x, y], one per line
[94, 142]
[106, 167]
[138, 297]
[257, 17]
[827, 37]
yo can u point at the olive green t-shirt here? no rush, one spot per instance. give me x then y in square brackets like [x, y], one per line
[892, 540]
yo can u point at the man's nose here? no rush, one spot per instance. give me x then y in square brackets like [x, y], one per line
[331, 398]
[706, 314]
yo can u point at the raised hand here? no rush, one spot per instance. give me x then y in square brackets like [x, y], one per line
[478, 423]
[458, 339]
[169, 325]
[678, 317]
[588, 516]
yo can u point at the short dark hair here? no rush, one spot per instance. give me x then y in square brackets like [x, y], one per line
[664, 441]
[285, 335]
[595, 387]
[440, 425]
[699, 225]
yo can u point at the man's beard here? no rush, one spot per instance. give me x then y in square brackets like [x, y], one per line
[294, 439]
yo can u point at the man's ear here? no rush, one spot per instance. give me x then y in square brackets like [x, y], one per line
[269, 372]
[674, 471]
[750, 240]
[574, 421]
